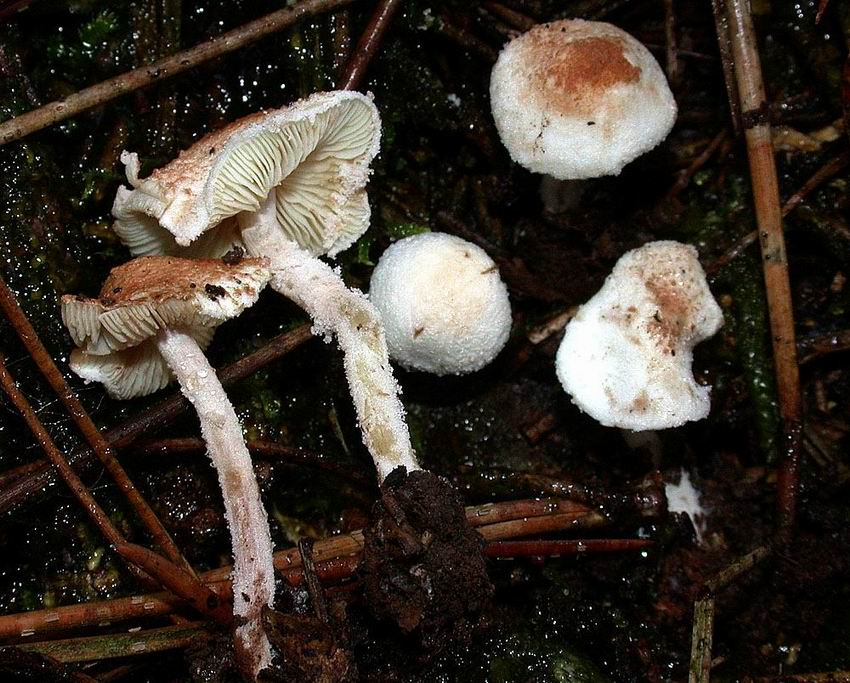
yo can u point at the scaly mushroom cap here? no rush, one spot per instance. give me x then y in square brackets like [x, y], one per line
[116, 331]
[579, 99]
[626, 356]
[313, 155]
[444, 307]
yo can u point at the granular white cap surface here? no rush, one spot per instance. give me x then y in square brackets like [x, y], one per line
[626, 356]
[444, 306]
[579, 99]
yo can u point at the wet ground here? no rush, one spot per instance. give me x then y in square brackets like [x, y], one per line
[621, 617]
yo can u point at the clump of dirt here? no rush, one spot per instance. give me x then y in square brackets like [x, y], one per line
[309, 650]
[423, 565]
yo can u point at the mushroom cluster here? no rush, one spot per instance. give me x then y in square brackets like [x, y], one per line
[152, 321]
[289, 185]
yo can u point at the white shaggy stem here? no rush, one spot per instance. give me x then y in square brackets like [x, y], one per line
[253, 573]
[348, 315]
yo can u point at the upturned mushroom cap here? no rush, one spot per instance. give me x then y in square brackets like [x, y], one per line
[579, 99]
[444, 307]
[116, 331]
[626, 356]
[313, 155]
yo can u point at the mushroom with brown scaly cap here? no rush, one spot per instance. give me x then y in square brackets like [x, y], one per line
[626, 355]
[153, 319]
[579, 99]
[288, 184]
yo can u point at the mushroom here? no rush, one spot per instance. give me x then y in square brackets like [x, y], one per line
[293, 179]
[444, 307]
[626, 355]
[579, 99]
[289, 185]
[154, 317]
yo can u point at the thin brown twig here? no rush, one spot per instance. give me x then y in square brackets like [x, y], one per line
[75, 484]
[559, 548]
[515, 18]
[727, 60]
[670, 41]
[335, 558]
[774, 260]
[702, 633]
[311, 578]
[47, 367]
[178, 581]
[368, 44]
[158, 71]
[685, 175]
[824, 173]
[467, 40]
[262, 449]
[39, 481]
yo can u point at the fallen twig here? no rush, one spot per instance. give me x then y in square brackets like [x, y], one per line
[75, 484]
[824, 173]
[559, 548]
[261, 449]
[701, 640]
[178, 582]
[27, 486]
[335, 559]
[108, 90]
[368, 45]
[703, 626]
[116, 645]
[774, 260]
[516, 19]
[46, 365]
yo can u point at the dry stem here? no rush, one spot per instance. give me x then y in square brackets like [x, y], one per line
[39, 481]
[368, 45]
[335, 558]
[27, 334]
[774, 259]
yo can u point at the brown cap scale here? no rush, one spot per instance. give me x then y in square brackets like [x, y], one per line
[116, 332]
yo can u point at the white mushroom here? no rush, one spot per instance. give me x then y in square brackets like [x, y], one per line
[289, 184]
[626, 356]
[444, 307]
[579, 99]
[154, 317]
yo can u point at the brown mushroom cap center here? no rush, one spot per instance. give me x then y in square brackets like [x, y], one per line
[571, 77]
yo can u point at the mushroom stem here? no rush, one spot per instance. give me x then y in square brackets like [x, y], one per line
[253, 572]
[346, 314]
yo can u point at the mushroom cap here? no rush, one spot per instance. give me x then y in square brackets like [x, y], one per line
[626, 355]
[579, 99]
[116, 332]
[314, 155]
[444, 306]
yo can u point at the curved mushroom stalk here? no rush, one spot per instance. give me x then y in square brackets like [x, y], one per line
[152, 320]
[253, 572]
[346, 314]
